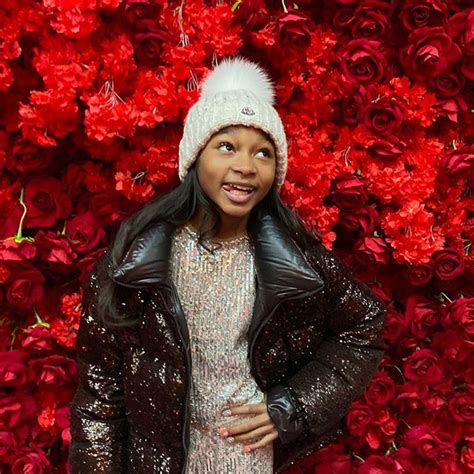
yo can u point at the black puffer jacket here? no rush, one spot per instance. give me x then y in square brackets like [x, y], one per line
[315, 341]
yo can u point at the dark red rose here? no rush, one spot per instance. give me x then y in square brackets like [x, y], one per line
[419, 275]
[17, 251]
[55, 250]
[36, 339]
[448, 264]
[387, 148]
[328, 460]
[467, 455]
[46, 202]
[460, 28]
[14, 409]
[372, 20]
[111, 208]
[420, 13]
[53, 371]
[251, 13]
[431, 445]
[383, 117]
[411, 395]
[85, 232]
[148, 42]
[393, 327]
[429, 53]
[349, 193]
[424, 365]
[381, 390]
[24, 158]
[351, 109]
[358, 418]
[294, 28]
[8, 443]
[344, 14]
[26, 288]
[451, 345]
[32, 461]
[460, 314]
[371, 250]
[363, 62]
[461, 407]
[362, 220]
[13, 369]
[447, 84]
[379, 464]
[86, 264]
[422, 315]
[136, 10]
[459, 162]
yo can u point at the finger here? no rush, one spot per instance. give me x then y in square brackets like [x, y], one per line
[254, 434]
[265, 441]
[256, 422]
[257, 408]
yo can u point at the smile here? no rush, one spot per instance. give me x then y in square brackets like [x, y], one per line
[238, 194]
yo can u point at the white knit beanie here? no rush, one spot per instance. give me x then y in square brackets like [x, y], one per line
[236, 92]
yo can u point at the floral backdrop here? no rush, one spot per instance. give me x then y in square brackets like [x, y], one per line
[377, 101]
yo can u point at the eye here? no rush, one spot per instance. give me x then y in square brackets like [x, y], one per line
[267, 151]
[225, 144]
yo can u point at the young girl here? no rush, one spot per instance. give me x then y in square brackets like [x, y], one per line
[218, 334]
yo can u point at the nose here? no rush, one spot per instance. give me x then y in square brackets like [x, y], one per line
[243, 163]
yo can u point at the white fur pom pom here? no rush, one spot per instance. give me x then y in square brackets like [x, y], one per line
[239, 73]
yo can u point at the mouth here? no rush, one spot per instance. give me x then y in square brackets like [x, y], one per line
[238, 193]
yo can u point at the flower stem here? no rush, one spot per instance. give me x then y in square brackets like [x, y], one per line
[284, 6]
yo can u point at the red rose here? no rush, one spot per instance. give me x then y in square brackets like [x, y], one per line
[419, 275]
[362, 220]
[420, 13]
[36, 339]
[8, 443]
[453, 348]
[86, 264]
[467, 455]
[55, 250]
[328, 460]
[459, 162]
[383, 117]
[13, 369]
[358, 418]
[447, 84]
[431, 445]
[460, 314]
[350, 109]
[251, 13]
[85, 232]
[461, 406]
[24, 158]
[148, 42]
[371, 250]
[381, 390]
[46, 202]
[411, 395]
[14, 409]
[294, 28]
[460, 28]
[423, 365]
[344, 14]
[53, 371]
[429, 53]
[349, 193]
[422, 315]
[379, 464]
[372, 20]
[136, 10]
[31, 461]
[17, 251]
[388, 147]
[26, 289]
[362, 61]
[448, 264]
[393, 327]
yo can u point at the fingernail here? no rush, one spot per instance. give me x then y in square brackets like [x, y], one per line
[224, 433]
[226, 413]
[246, 449]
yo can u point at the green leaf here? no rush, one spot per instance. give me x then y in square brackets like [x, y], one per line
[236, 5]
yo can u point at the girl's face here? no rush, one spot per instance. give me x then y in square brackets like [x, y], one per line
[237, 156]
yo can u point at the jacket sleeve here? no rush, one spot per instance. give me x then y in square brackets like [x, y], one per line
[319, 395]
[98, 422]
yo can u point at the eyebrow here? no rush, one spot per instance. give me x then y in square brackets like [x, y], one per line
[231, 131]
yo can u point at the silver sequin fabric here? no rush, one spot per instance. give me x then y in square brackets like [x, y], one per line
[217, 293]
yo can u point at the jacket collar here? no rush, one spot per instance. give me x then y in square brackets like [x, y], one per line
[282, 269]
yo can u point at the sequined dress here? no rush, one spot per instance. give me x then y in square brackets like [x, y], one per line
[217, 293]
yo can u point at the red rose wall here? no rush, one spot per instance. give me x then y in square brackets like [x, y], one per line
[377, 102]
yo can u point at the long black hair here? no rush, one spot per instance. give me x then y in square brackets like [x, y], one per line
[177, 207]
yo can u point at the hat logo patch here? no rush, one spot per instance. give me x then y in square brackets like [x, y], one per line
[247, 111]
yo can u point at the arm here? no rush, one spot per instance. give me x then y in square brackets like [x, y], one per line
[98, 423]
[318, 396]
